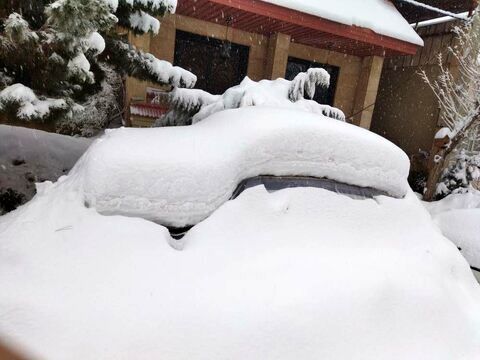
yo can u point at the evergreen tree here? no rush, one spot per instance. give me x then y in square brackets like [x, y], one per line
[56, 56]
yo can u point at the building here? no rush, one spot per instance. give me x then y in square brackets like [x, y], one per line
[222, 41]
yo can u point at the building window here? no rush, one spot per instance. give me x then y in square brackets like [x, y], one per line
[218, 64]
[322, 95]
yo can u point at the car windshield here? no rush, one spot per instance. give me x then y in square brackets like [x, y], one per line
[273, 183]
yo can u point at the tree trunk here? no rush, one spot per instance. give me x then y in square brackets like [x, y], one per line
[435, 168]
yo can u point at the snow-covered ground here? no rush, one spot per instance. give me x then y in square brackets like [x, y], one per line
[178, 176]
[301, 273]
[28, 156]
[458, 216]
[296, 274]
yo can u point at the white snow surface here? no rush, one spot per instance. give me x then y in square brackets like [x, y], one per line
[178, 176]
[96, 42]
[30, 106]
[296, 274]
[458, 216]
[144, 22]
[443, 132]
[381, 16]
[278, 93]
[167, 73]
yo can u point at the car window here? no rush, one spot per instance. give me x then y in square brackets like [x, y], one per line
[273, 183]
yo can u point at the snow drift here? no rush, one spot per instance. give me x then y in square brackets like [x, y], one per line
[458, 216]
[177, 176]
[300, 273]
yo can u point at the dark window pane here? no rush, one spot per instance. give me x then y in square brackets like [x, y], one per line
[322, 95]
[218, 64]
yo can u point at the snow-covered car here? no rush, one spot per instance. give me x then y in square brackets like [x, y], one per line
[89, 270]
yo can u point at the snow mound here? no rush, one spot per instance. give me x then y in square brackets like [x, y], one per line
[296, 274]
[177, 176]
[458, 217]
[381, 16]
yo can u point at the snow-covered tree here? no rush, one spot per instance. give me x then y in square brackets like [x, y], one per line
[458, 177]
[193, 105]
[51, 67]
[458, 95]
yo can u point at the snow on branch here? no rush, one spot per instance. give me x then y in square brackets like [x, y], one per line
[193, 105]
[78, 19]
[162, 6]
[28, 106]
[307, 82]
[141, 22]
[191, 100]
[459, 95]
[145, 66]
[18, 30]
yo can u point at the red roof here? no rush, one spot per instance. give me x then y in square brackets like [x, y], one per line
[266, 18]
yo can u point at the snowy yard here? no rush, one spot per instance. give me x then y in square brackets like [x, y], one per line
[262, 209]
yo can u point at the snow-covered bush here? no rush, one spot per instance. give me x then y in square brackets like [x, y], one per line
[54, 60]
[193, 105]
[457, 177]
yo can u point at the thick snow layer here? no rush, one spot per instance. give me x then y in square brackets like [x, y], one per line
[380, 16]
[144, 22]
[28, 156]
[180, 175]
[30, 106]
[443, 132]
[96, 43]
[79, 62]
[296, 274]
[458, 217]
[278, 93]
[165, 72]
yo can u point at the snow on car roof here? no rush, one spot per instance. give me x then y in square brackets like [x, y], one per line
[381, 16]
[178, 176]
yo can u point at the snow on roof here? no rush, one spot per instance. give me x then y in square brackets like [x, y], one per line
[178, 176]
[381, 16]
